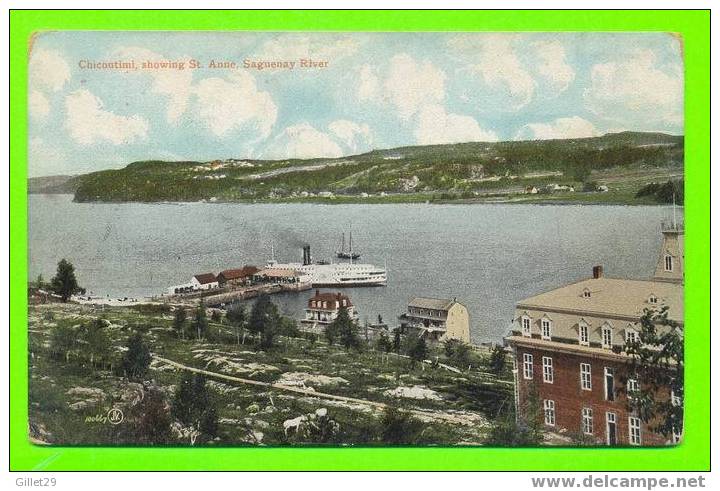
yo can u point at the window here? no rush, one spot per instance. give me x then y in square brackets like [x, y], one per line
[587, 421]
[526, 326]
[547, 369]
[631, 335]
[607, 336]
[668, 262]
[653, 299]
[633, 387]
[549, 407]
[586, 293]
[528, 366]
[634, 430]
[609, 384]
[583, 334]
[611, 428]
[546, 325]
[585, 380]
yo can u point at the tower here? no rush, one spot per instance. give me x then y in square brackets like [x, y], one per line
[671, 262]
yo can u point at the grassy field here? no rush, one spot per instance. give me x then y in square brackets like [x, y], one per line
[69, 398]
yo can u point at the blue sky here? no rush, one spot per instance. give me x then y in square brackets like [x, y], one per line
[377, 90]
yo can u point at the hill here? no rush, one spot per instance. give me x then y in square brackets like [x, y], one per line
[476, 170]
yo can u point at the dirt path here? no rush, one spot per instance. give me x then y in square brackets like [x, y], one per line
[448, 418]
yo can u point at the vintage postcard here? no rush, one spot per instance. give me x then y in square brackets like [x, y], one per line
[370, 239]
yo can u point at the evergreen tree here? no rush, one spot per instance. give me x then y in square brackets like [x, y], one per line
[264, 320]
[180, 322]
[397, 341]
[153, 420]
[344, 329]
[200, 322]
[658, 364]
[136, 359]
[193, 405]
[399, 427]
[97, 343]
[383, 343]
[497, 359]
[418, 351]
[64, 282]
[236, 316]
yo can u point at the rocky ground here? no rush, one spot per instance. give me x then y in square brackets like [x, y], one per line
[262, 396]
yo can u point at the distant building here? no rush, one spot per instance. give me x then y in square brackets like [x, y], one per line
[569, 345]
[436, 319]
[531, 190]
[236, 277]
[323, 309]
[602, 189]
[204, 281]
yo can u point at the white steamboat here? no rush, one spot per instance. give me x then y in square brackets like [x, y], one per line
[334, 274]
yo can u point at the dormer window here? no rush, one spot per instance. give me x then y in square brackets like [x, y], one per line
[652, 298]
[586, 293]
[607, 336]
[668, 262]
[546, 328]
[583, 336]
[526, 323]
[631, 335]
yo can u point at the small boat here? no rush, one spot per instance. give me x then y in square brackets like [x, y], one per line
[349, 254]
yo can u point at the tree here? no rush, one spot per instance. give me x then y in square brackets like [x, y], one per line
[180, 322]
[64, 282]
[236, 316]
[397, 341]
[383, 343]
[194, 407]
[264, 320]
[497, 359]
[153, 420]
[522, 430]
[658, 364]
[458, 352]
[137, 358]
[344, 329]
[63, 341]
[97, 343]
[200, 322]
[399, 427]
[216, 317]
[418, 351]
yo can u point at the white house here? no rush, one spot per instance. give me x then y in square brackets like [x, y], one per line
[204, 281]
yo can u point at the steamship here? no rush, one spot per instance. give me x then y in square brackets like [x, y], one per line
[322, 274]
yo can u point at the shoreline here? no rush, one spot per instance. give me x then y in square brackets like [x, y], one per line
[583, 199]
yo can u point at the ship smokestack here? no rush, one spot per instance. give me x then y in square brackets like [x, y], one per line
[306, 255]
[597, 272]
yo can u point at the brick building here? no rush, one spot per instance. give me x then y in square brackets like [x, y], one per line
[569, 349]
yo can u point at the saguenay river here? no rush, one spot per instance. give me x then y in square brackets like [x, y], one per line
[487, 256]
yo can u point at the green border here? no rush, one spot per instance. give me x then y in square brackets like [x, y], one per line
[693, 454]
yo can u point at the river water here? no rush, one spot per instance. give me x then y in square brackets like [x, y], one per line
[487, 256]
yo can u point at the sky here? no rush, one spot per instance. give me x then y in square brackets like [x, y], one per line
[361, 91]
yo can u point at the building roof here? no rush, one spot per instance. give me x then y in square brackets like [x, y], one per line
[277, 273]
[234, 274]
[431, 303]
[329, 297]
[611, 297]
[205, 278]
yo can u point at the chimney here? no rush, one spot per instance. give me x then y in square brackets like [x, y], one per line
[306, 255]
[597, 272]
[317, 293]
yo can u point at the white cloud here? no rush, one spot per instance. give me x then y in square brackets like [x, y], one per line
[38, 105]
[494, 59]
[436, 126]
[221, 104]
[572, 127]
[553, 66]
[176, 85]
[368, 84]
[636, 89]
[227, 104]
[356, 137]
[410, 85]
[87, 121]
[48, 70]
[302, 141]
